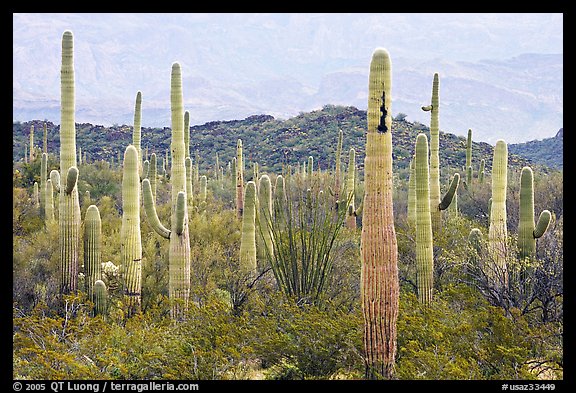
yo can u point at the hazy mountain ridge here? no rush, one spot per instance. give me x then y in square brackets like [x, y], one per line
[237, 65]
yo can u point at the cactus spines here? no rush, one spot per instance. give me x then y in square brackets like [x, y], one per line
[92, 249]
[136, 135]
[435, 155]
[498, 233]
[527, 231]
[100, 298]
[379, 249]
[69, 205]
[350, 189]
[239, 180]
[130, 238]
[248, 241]
[424, 241]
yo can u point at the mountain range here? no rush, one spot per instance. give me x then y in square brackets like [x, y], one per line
[497, 77]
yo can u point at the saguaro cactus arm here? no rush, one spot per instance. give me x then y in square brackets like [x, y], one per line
[71, 179]
[543, 223]
[449, 196]
[180, 209]
[150, 209]
[55, 179]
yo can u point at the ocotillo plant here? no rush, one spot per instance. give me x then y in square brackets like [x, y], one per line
[92, 249]
[137, 134]
[248, 264]
[527, 231]
[350, 189]
[239, 180]
[498, 233]
[469, 159]
[424, 242]
[179, 250]
[379, 248]
[69, 205]
[130, 238]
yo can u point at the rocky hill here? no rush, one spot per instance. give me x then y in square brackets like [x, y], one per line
[272, 142]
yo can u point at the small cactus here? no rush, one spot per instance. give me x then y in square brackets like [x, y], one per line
[92, 249]
[100, 298]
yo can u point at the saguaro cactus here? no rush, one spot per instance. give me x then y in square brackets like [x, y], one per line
[179, 250]
[497, 232]
[153, 174]
[481, 171]
[469, 159]
[527, 231]
[92, 249]
[32, 143]
[69, 205]
[131, 243]
[379, 249]
[43, 177]
[337, 170]
[45, 144]
[424, 242]
[186, 134]
[189, 192]
[203, 188]
[248, 241]
[239, 180]
[100, 298]
[412, 196]
[350, 189]
[434, 109]
[265, 213]
[137, 134]
[36, 194]
[49, 201]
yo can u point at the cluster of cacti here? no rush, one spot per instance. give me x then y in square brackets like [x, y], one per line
[130, 237]
[527, 231]
[379, 249]
[69, 205]
[498, 232]
[179, 248]
[424, 242]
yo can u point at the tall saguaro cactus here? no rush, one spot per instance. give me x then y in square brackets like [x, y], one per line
[350, 189]
[411, 213]
[248, 263]
[527, 231]
[434, 109]
[153, 174]
[69, 203]
[239, 180]
[498, 232]
[379, 248]
[337, 170]
[32, 143]
[137, 134]
[130, 237]
[92, 249]
[179, 249]
[265, 207]
[469, 159]
[43, 177]
[424, 241]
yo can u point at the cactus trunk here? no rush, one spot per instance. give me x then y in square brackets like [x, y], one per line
[69, 204]
[248, 242]
[265, 214]
[92, 249]
[350, 189]
[137, 134]
[424, 240]
[498, 233]
[239, 180]
[412, 196]
[130, 237]
[379, 249]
